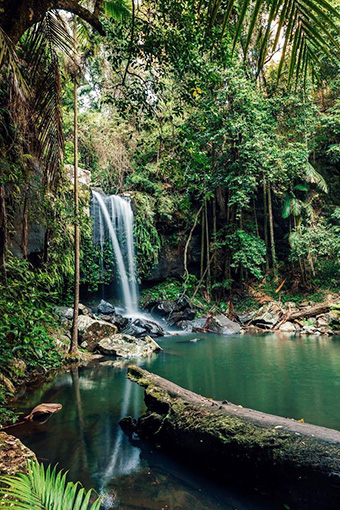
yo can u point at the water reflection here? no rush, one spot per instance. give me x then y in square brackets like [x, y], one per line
[296, 378]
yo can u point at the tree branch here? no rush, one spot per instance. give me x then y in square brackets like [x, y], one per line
[74, 7]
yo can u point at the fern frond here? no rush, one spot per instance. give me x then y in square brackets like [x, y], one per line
[44, 489]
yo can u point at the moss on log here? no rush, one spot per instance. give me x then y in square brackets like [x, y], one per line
[301, 461]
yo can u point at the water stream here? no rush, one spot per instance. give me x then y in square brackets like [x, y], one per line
[291, 377]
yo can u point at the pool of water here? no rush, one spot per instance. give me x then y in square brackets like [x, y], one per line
[291, 377]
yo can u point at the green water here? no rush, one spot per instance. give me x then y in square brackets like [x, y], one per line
[297, 378]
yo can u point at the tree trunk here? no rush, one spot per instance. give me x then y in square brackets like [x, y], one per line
[3, 234]
[265, 223]
[25, 226]
[207, 245]
[16, 16]
[202, 244]
[271, 231]
[300, 462]
[74, 339]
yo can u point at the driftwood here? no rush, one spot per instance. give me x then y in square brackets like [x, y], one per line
[43, 412]
[312, 311]
[301, 462]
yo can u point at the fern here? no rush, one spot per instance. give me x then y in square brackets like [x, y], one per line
[44, 489]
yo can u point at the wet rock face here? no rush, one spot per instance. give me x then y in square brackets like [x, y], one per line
[13, 455]
[223, 326]
[173, 311]
[128, 346]
[143, 327]
[195, 325]
[105, 308]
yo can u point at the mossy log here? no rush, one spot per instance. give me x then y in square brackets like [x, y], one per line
[298, 461]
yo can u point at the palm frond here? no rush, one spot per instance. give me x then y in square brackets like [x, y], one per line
[314, 177]
[9, 58]
[295, 27]
[41, 45]
[117, 9]
[44, 489]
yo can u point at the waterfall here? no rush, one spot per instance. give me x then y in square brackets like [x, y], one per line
[113, 219]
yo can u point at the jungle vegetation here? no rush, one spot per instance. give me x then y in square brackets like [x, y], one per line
[221, 118]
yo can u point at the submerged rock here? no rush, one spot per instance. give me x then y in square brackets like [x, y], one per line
[127, 346]
[223, 326]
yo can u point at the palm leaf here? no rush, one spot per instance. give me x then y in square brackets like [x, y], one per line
[44, 489]
[301, 25]
[313, 177]
[116, 9]
[286, 210]
[8, 57]
[40, 46]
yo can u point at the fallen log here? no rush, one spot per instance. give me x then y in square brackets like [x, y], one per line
[312, 311]
[301, 462]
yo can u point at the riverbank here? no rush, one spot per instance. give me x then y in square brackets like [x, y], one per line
[132, 336]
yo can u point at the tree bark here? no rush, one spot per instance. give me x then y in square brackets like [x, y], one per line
[271, 232]
[3, 234]
[25, 226]
[296, 459]
[16, 16]
[74, 339]
[312, 311]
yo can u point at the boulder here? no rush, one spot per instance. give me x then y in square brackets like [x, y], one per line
[84, 321]
[106, 308]
[194, 325]
[246, 317]
[223, 326]
[173, 311]
[119, 321]
[143, 327]
[287, 327]
[95, 332]
[63, 312]
[83, 310]
[13, 455]
[184, 315]
[309, 330]
[268, 315]
[127, 346]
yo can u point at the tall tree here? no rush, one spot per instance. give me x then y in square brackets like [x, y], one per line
[74, 339]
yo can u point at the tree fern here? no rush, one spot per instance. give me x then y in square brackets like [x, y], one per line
[44, 489]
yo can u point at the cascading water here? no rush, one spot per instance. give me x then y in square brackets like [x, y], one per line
[113, 219]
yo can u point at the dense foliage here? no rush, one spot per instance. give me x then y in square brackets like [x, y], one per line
[227, 143]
